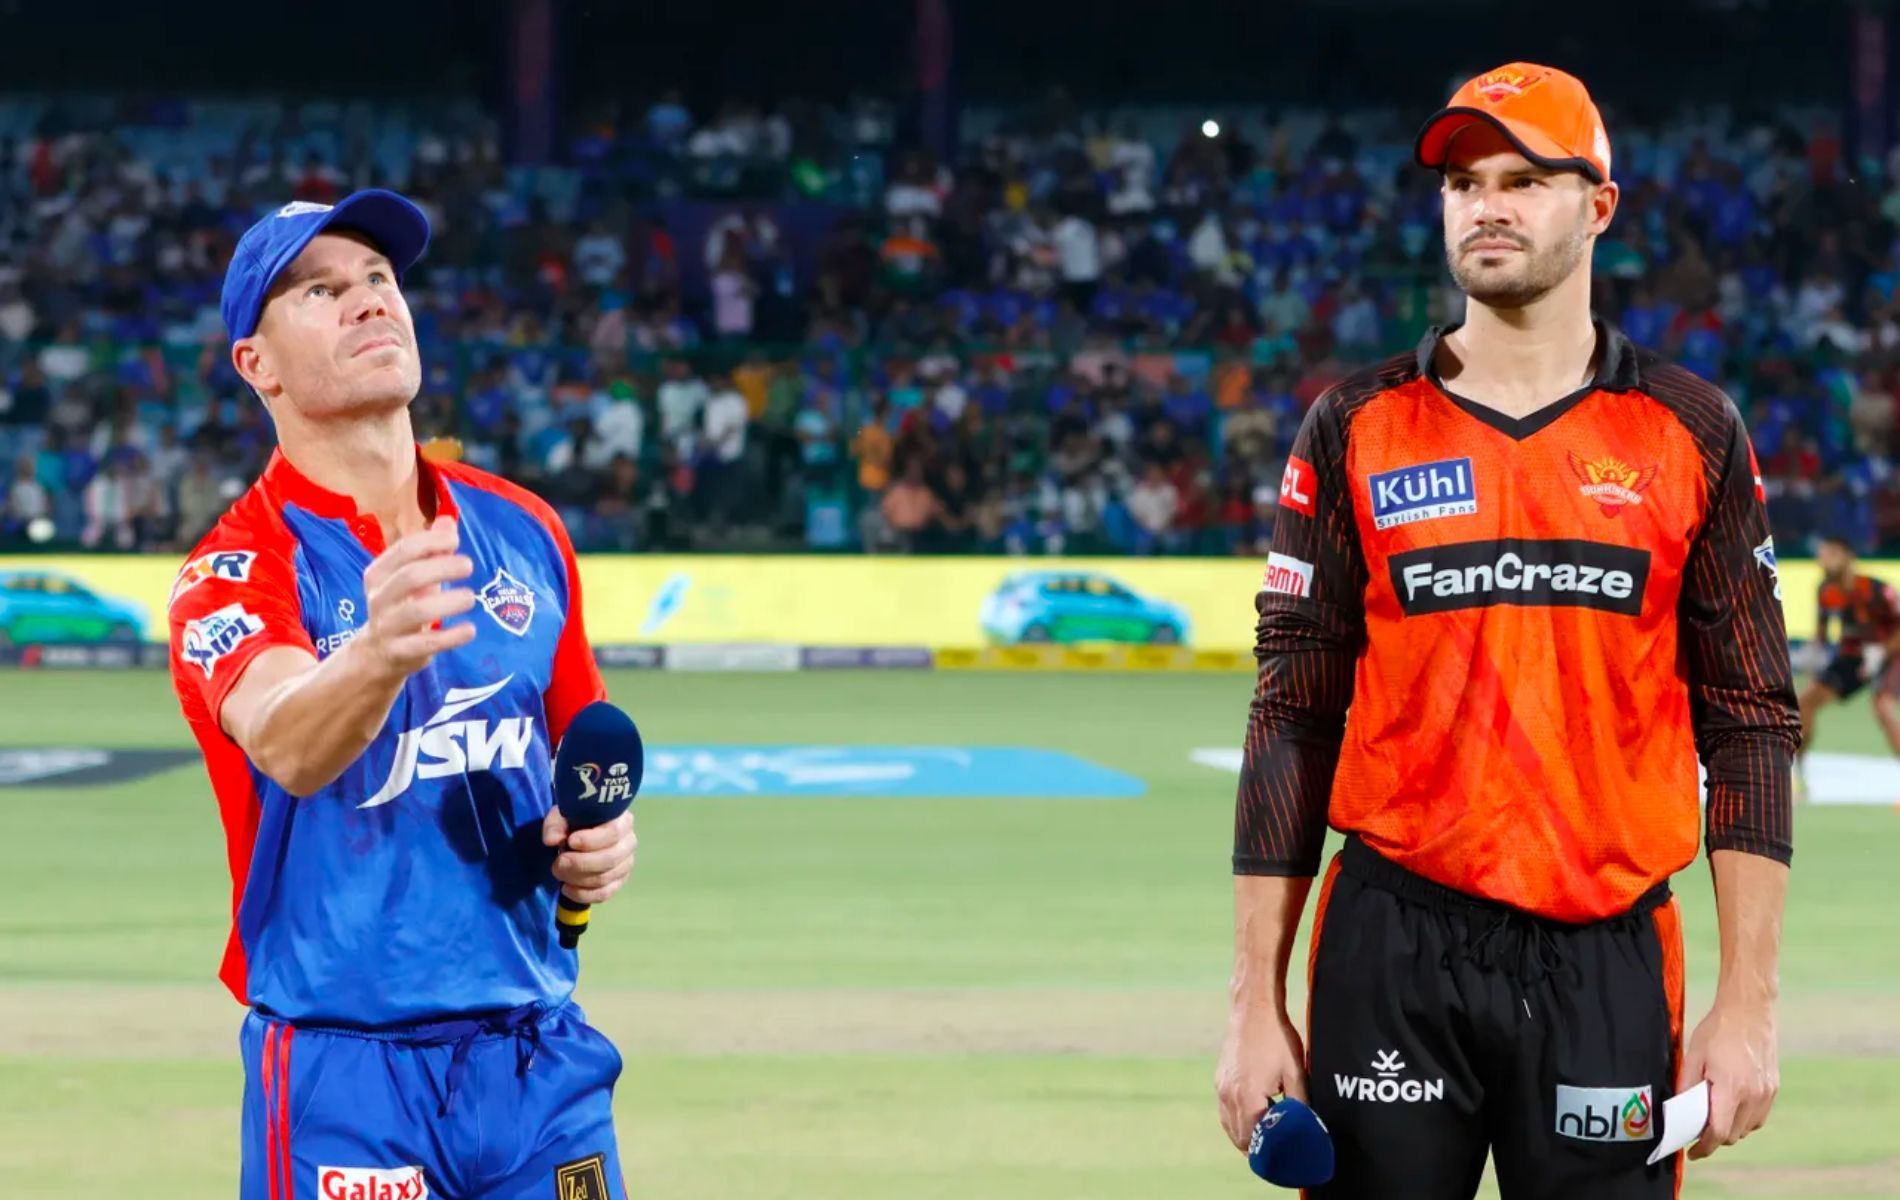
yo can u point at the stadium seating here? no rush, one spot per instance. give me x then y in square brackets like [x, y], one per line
[1091, 332]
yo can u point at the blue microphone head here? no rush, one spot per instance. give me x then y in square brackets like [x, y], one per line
[598, 767]
[1290, 1146]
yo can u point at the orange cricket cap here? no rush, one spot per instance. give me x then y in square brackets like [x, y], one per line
[1546, 113]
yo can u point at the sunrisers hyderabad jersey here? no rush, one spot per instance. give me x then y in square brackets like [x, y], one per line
[415, 885]
[1493, 647]
[1854, 615]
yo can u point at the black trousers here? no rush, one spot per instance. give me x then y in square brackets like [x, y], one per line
[1443, 1027]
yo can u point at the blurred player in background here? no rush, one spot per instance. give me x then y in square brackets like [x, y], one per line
[1857, 630]
[1521, 577]
[380, 738]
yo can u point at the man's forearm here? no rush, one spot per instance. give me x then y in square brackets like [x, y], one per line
[313, 724]
[1749, 894]
[1267, 912]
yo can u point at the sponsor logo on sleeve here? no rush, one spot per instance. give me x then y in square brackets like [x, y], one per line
[1559, 573]
[372, 1183]
[1296, 486]
[214, 635]
[1423, 492]
[582, 1179]
[1605, 1114]
[1288, 576]
[234, 565]
[1765, 555]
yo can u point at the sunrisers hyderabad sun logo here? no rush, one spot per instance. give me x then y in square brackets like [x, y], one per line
[1612, 483]
[1502, 84]
[1636, 1117]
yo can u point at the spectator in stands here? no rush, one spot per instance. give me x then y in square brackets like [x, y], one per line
[816, 428]
[619, 506]
[733, 292]
[723, 464]
[120, 502]
[30, 401]
[910, 508]
[1153, 503]
[27, 500]
[202, 499]
[682, 398]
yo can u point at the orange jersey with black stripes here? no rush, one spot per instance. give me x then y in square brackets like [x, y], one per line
[1493, 647]
[1857, 613]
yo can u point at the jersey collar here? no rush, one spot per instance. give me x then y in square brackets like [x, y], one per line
[1618, 370]
[1617, 367]
[291, 486]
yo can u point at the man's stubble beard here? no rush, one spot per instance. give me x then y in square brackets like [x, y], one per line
[1536, 277]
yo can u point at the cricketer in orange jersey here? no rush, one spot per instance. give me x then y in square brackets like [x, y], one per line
[1522, 579]
[1858, 619]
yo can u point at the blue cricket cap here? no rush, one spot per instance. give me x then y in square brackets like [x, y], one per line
[394, 223]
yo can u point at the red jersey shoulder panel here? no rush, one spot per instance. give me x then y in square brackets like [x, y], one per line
[235, 597]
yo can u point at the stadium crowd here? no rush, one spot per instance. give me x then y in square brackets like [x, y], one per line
[1081, 334]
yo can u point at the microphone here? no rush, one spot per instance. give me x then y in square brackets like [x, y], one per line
[596, 774]
[1290, 1146]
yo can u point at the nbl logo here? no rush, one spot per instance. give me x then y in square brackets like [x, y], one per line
[609, 788]
[1605, 1114]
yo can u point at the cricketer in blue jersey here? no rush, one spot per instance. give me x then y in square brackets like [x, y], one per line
[378, 655]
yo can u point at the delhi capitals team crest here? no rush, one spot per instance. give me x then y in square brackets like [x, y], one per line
[509, 601]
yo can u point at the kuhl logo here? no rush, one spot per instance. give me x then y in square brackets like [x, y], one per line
[372, 1183]
[446, 746]
[1385, 1086]
[1423, 492]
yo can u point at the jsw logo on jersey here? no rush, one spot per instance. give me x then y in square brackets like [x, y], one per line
[446, 746]
[372, 1183]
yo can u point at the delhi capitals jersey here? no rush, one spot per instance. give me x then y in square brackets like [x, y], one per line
[415, 885]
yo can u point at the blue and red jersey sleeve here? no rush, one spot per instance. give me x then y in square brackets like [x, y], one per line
[235, 598]
[575, 682]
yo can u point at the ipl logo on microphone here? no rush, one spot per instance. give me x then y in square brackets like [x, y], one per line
[611, 789]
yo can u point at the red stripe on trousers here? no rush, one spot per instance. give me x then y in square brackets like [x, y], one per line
[266, 1072]
[283, 1110]
[1312, 965]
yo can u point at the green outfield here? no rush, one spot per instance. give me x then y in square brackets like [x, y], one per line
[865, 999]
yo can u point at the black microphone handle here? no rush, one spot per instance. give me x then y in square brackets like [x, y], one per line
[570, 917]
